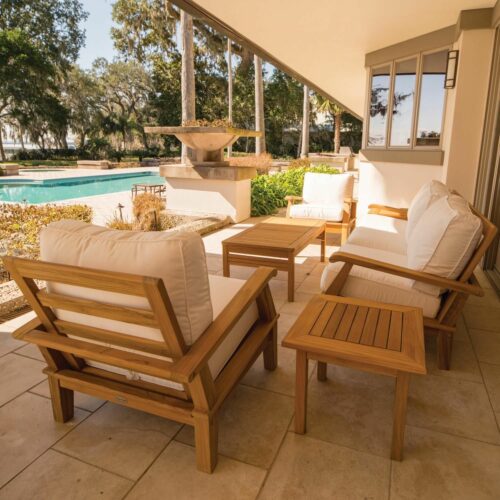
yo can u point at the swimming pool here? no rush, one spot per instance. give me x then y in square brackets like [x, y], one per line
[49, 190]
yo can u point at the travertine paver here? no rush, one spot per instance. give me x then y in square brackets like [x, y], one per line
[452, 448]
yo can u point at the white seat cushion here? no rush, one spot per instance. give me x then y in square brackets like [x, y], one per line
[222, 290]
[383, 233]
[425, 197]
[327, 189]
[177, 258]
[444, 238]
[324, 212]
[378, 286]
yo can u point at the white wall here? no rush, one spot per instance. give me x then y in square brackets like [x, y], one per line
[393, 184]
[465, 111]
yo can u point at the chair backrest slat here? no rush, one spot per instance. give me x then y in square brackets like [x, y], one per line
[128, 284]
[160, 316]
[136, 316]
[119, 339]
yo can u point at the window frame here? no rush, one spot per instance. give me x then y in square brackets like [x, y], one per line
[419, 56]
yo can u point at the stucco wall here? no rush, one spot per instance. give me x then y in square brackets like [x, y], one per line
[465, 111]
[392, 184]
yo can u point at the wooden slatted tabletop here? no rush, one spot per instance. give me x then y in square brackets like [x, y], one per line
[370, 336]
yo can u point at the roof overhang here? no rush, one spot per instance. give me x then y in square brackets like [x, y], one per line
[323, 43]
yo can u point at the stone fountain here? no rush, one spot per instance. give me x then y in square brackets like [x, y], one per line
[205, 182]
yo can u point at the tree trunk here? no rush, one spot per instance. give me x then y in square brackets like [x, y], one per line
[2, 152]
[338, 126]
[81, 144]
[260, 142]
[187, 74]
[229, 90]
[304, 151]
[21, 139]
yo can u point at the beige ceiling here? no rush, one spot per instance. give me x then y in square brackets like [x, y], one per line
[326, 40]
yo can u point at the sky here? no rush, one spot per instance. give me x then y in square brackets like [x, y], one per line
[98, 41]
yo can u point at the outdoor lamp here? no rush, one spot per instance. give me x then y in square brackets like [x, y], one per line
[451, 69]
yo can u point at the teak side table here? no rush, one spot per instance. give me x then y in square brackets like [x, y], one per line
[369, 336]
[274, 243]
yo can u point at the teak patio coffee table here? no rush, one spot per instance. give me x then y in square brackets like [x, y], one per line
[275, 243]
[369, 336]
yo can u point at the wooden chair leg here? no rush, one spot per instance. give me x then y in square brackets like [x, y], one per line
[400, 405]
[321, 371]
[62, 401]
[444, 342]
[344, 233]
[301, 376]
[206, 440]
[271, 351]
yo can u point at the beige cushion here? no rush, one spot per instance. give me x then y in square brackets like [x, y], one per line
[327, 189]
[309, 211]
[222, 290]
[383, 233]
[378, 286]
[444, 238]
[425, 197]
[178, 258]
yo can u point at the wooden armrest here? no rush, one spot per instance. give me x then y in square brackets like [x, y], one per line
[386, 211]
[201, 351]
[292, 198]
[32, 324]
[405, 272]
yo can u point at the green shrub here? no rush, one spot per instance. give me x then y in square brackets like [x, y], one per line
[20, 226]
[269, 191]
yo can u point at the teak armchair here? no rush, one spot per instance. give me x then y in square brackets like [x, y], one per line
[453, 301]
[197, 404]
[321, 197]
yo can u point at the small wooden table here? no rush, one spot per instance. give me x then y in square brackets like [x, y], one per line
[370, 336]
[275, 242]
[155, 189]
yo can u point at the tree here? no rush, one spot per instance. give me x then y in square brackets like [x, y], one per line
[229, 89]
[81, 96]
[28, 81]
[260, 142]
[53, 26]
[324, 105]
[124, 90]
[283, 109]
[187, 79]
[304, 152]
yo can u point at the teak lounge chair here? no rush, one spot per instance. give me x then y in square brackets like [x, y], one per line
[125, 337]
[423, 256]
[328, 197]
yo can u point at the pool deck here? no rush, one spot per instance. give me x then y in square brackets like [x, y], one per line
[104, 206]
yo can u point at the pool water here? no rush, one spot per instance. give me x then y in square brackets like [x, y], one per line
[49, 190]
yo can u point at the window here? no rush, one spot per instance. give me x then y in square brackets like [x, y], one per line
[413, 90]
[381, 80]
[403, 97]
[432, 93]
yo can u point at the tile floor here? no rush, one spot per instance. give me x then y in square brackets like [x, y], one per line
[107, 451]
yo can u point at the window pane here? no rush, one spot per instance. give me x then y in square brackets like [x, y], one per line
[381, 78]
[432, 93]
[402, 103]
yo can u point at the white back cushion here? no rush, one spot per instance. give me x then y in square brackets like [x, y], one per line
[425, 197]
[327, 189]
[444, 239]
[177, 258]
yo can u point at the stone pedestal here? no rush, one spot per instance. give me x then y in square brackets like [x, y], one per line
[215, 190]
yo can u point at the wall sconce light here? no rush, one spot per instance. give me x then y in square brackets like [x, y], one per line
[451, 69]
